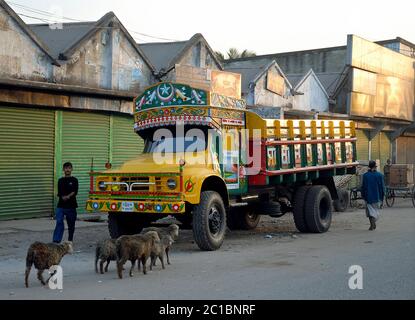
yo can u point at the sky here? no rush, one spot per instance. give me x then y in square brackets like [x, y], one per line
[263, 26]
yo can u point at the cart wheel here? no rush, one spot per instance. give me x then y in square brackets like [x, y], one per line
[390, 198]
[413, 196]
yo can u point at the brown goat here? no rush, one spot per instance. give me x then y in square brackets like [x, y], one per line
[133, 248]
[172, 230]
[106, 251]
[43, 256]
[159, 248]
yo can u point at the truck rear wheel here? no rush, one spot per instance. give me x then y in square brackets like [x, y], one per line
[318, 209]
[209, 221]
[299, 208]
[341, 204]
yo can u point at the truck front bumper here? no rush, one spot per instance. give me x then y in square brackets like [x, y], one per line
[171, 207]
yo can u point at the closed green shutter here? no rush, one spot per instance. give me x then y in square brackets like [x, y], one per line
[84, 136]
[362, 145]
[375, 147]
[26, 162]
[126, 144]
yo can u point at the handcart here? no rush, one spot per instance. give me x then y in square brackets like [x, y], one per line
[403, 192]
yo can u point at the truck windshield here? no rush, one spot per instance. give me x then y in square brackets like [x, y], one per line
[193, 139]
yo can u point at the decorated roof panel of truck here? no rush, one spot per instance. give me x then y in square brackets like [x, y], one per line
[167, 94]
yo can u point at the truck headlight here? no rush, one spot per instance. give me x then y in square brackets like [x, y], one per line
[102, 186]
[172, 184]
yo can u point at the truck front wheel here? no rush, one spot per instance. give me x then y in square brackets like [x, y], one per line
[209, 221]
[318, 209]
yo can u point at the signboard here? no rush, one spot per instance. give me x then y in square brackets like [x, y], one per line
[226, 83]
[367, 55]
[382, 81]
[220, 82]
[275, 82]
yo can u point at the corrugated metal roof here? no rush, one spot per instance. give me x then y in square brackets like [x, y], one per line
[329, 80]
[161, 54]
[249, 69]
[35, 38]
[58, 40]
[295, 78]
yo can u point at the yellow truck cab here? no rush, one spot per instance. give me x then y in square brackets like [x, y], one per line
[213, 164]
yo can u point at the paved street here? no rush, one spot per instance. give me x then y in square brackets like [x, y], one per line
[271, 262]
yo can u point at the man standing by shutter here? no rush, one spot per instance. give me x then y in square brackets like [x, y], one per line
[373, 192]
[67, 191]
[387, 171]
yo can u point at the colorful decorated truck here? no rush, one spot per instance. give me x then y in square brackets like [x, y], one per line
[213, 164]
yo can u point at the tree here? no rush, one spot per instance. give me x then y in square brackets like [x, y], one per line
[247, 53]
[234, 53]
[220, 56]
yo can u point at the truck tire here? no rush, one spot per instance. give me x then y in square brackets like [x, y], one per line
[209, 221]
[243, 218]
[299, 210]
[318, 209]
[341, 204]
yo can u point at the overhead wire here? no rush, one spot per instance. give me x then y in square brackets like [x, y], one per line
[53, 15]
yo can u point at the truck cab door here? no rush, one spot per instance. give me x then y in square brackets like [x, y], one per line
[232, 171]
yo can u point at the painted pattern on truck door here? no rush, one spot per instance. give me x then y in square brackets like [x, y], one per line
[233, 170]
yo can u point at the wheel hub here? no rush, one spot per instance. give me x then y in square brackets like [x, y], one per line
[215, 221]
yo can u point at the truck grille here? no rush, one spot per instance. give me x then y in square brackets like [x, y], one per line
[136, 184]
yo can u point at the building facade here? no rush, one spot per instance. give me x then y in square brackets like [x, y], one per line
[65, 95]
[264, 84]
[309, 93]
[380, 136]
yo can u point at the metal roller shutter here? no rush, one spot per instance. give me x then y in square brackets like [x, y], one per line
[375, 146]
[126, 144]
[406, 150]
[362, 145]
[26, 162]
[84, 136]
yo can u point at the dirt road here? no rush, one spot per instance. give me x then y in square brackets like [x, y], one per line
[270, 262]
